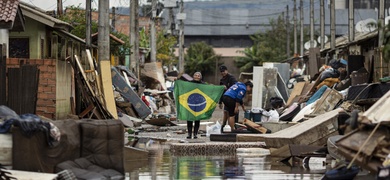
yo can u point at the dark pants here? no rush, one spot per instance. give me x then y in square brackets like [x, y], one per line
[196, 127]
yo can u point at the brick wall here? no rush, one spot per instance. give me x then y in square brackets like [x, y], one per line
[46, 102]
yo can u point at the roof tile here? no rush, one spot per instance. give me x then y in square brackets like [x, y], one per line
[8, 10]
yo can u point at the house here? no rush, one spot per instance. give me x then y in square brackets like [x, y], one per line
[39, 77]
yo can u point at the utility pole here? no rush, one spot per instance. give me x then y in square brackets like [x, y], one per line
[301, 17]
[181, 39]
[113, 19]
[311, 23]
[59, 8]
[104, 57]
[322, 19]
[153, 32]
[170, 20]
[381, 19]
[134, 57]
[351, 26]
[295, 27]
[332, 25]
[288, 33]
[88, 20]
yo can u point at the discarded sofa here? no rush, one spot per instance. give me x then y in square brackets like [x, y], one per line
[91, 149]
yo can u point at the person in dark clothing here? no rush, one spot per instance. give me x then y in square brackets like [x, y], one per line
[197, 78]
[232, 99]
[227, 80]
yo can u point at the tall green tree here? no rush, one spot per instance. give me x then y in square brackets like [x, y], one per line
[200, 57]
[75, 16]
[268, 46]
[165, 44]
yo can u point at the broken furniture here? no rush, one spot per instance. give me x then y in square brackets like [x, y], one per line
[314, 131]
[89, 148]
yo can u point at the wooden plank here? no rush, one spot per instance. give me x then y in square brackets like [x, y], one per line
[14, 89]
[98, 81]
[298, 88]
[314, 131]
[86, 94]
[86, 110]
[108, 92]
[256, 127]
[3, 72]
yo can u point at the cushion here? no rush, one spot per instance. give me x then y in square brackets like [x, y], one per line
[84, 169]
[102, 143]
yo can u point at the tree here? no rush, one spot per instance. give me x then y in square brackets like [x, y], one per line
[76, 17]
[268, 46]
[200, 57]
[165, 44]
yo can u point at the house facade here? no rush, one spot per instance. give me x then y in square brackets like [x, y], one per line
[43, 49]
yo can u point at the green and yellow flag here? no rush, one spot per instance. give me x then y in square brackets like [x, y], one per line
[196, 101]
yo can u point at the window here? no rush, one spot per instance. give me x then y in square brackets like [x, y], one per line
[19, 48]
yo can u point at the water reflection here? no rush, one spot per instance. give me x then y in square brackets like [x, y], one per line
[162, 165]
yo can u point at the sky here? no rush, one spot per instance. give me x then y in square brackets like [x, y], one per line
[52, 4]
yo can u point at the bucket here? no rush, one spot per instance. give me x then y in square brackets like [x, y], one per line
[256, 117]
[248, 115]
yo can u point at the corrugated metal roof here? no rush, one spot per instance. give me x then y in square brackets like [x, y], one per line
[343, 40]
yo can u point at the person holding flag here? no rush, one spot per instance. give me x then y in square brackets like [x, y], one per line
[232, 99]
[197, 78]
[195, 101]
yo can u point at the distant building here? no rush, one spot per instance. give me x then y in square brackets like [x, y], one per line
[361, 4]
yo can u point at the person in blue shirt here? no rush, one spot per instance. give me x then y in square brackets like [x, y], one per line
[232, 99]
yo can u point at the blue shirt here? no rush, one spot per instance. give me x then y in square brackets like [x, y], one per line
[237, 92]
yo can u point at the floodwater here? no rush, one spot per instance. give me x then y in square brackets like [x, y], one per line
[161, 164]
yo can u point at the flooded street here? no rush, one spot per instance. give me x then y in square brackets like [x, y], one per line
[162, 165]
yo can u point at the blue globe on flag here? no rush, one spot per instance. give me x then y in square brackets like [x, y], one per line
[196, 102]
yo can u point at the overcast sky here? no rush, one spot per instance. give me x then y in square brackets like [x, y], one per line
[52, 4]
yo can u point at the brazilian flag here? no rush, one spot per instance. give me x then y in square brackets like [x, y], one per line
[196, 101]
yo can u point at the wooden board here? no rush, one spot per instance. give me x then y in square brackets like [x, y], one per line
[255, 127]
[129, 94]
[298, 88]
[108, 92]
[314, 131]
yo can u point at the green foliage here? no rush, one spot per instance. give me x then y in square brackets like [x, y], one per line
[200, 57]
[386, 43]
[268, 46]
[165, 46]
[76, 17]
[122, 50]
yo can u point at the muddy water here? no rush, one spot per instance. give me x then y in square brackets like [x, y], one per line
[162, 165]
